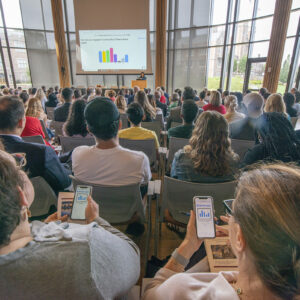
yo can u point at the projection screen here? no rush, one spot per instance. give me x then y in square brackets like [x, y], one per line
[112, 37]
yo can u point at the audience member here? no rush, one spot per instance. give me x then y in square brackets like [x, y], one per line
[201, 102]
[5, 91]
[232, 115]
[189, 113]
[52, 100]
[89, 93]
[77, 94]
[162, 99]
[264, 236]
[42, 97]
[275, 103]
[136, 132]
[277, 140]
[150, 112]
[35, 110]
[59, 260]
[24, 97]
[215, 103]
[165, 93]
[262, 91]
[98, 92]
[175, 113]
[224, 95]
[112, 95]
[208, 157]
[294, 91]
[61, 113]
[56, 89]
[289, 100]
[174, 101]
[179, 92]
[41, 159]
[107, 162]
[245, 128]
[75, 125]
[196, 98]
[132, 94]
[152, 101]
[32, 92]
[121, 104]
[297, 104]
[159, 104]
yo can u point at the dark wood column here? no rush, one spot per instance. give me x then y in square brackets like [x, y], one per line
[277, 42]
[160, 57]
[60, 43]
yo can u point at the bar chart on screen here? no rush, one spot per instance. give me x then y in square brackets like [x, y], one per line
[109, 56]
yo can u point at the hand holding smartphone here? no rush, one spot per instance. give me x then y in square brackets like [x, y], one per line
[204, 211]
[80, 202]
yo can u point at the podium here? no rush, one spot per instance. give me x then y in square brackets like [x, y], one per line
[142, 84]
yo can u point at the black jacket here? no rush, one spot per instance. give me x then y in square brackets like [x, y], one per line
[243, 129]
[61, 113]
[162, 106]
[41, 161]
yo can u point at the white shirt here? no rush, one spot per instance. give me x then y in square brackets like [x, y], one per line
[116, 166]
[189, 286]
[297, 107]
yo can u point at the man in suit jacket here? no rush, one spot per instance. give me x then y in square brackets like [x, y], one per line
[175, 113]
[245, 129]
[41, 159]
[61, 113]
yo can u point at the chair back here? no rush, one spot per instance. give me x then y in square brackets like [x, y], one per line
[178, 196]
[69, 143]
[38, 139]
[160, 118]
[175, 124]
[45, 130]
[57, 126]
[240, 147]
[294, 121]
[175, 144]
[44, 197]
[117, 203]
[50, 113]
[154, 126]
[146, 146]
[124, 120]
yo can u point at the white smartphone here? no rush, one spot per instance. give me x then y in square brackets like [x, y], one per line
[204, 211]
[80, 202]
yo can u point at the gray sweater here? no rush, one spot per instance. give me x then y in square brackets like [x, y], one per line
[71, 261]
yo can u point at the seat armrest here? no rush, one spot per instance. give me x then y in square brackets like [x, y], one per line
[157, 187]
[151, 188]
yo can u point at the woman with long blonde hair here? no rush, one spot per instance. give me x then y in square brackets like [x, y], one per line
[41, 96]
[232, 115]
[275, 103]
[121, 104]
[208, 157]
[35, 109]
[150, 112]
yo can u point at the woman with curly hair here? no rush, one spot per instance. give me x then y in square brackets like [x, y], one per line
[76, 125]
[150, 112]
[208, 157]
[121, 104]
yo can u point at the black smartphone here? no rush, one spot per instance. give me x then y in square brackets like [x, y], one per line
[228, 206]
[80, 202]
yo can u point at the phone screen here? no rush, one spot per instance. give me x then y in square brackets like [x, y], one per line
[80, 202]
[204, 212]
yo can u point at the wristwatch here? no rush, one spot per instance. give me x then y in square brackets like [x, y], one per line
[179, 258]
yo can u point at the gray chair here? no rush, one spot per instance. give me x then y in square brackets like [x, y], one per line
[50, 113]
[175, 144]
[160, 118]
[44, 197]
[146, 146]
[240, 147]
[118, 204]
[45, 130]
[69, 143]
[124, 119]
[155, 126]
[57, 126]
[175, 124]
[294, 121]
[38, 139]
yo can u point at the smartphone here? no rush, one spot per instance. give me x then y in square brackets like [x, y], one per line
[228, 206]
[204, 211]
[80, 202]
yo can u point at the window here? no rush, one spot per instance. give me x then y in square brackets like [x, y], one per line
[21, 63]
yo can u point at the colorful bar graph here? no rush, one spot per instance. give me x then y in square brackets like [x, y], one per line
[108, 56]
[111, 50]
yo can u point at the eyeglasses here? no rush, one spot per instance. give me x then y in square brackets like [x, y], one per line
[20, 158]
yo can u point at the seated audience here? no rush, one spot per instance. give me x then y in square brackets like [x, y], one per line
[289, 100]
[263, 91]
[152, 101]
[231, 114]
[41, 159]
[201, 102]
[196, 98]
[112, 95]
[264, 236]
[165, 94]
[224, 95]
[173, 101]
[89, 92]
[42, 97]
[77, 94]
[149, 111]
[52, 100]
[275, 103]
[188, 94]
[162, 99]
[24, 97]
[159, 104]
[179, 92]
[121, 104]
[132, 93]
[208, 157]
[277, 141]
[107, 162]
[189, 113]
[75, 125]
[245, 129]
[32, 92]
[61, 113]
[59, 260]
[215, 103]
[135, 116]
[297, 104]
[35, 109]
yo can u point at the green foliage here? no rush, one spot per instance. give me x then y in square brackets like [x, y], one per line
[285, 70]
[242, 64]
